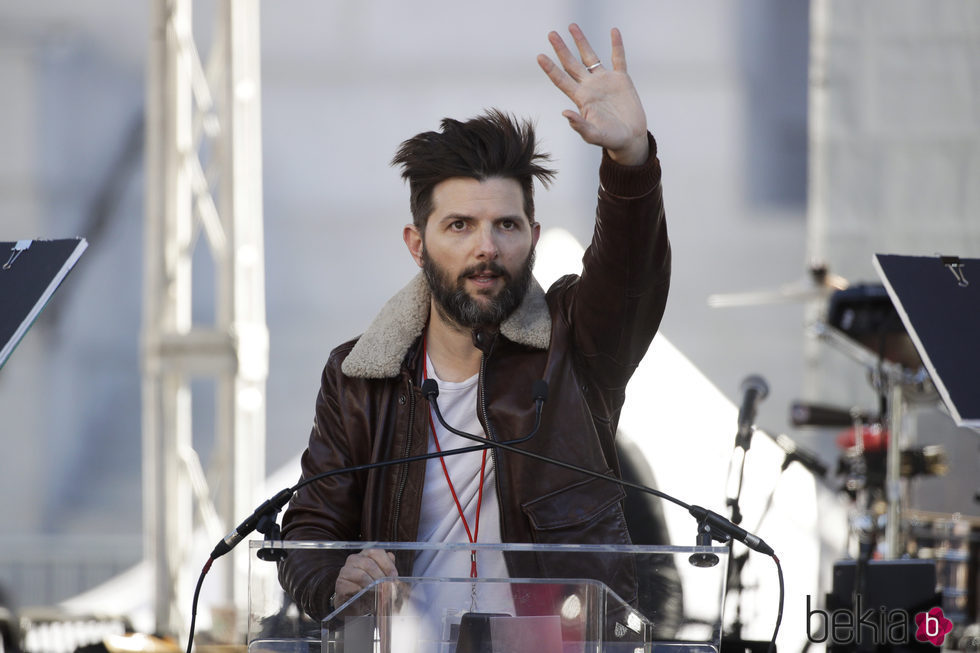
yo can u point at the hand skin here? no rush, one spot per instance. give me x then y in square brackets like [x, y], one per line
[360, 570]
[610, 113]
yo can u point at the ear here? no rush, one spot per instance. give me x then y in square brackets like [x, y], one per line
[535, 233]
[413, 240]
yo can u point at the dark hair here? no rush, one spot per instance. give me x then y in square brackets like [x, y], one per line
[494, 144]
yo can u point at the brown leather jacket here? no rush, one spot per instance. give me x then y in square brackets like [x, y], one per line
[585, 337]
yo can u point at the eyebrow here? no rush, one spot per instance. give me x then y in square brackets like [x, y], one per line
[452, 217]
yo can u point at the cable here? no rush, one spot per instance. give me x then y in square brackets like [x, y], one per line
[197, 595]
[779, 614]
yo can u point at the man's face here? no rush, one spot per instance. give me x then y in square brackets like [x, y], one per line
[477, 251]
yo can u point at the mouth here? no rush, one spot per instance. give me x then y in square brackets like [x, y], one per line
[485, 278]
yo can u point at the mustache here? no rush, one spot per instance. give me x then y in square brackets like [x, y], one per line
[483, 268]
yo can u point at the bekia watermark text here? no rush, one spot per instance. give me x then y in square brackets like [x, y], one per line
[878, 626]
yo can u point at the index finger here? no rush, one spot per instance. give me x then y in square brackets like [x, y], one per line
[558, 77]
[384, 560]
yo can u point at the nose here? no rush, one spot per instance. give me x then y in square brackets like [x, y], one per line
[486, 246]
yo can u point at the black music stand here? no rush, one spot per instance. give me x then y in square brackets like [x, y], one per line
[940, 307]
[30, 272]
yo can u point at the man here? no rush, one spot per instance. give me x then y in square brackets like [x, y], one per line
[476, 321]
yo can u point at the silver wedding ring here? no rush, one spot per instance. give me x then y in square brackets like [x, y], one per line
[593, 66]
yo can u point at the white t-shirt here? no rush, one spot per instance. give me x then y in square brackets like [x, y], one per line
[439, 520]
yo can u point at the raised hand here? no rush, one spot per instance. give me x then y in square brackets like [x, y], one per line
[610, 113]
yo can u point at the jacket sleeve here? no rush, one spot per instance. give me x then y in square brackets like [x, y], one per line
[327, 509]
[616, 306]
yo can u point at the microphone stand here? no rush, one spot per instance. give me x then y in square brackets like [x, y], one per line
[737, 563]
[743, 441]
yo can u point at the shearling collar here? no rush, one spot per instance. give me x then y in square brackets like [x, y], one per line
[379, 352]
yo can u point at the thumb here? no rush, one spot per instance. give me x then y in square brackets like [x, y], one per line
[580, 125]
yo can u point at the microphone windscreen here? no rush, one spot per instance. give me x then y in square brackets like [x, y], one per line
[539, 390]
[430, 388]
[757, 383]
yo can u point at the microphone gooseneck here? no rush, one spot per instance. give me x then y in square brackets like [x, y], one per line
[430, 390]
[709, 523]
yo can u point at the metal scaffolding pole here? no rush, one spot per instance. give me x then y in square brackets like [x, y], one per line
[204, 176]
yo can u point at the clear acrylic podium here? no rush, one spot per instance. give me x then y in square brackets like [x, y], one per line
[495, 615]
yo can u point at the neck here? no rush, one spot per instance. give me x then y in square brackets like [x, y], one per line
[450, 347]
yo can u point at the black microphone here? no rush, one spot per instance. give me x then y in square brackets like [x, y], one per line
[719, 528]
[714, 520]
[539, 390]
[754, 389]
[796, 453]
[271, 507]
[803, 413]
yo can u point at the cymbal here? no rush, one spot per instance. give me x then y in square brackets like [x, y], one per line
[820, 284]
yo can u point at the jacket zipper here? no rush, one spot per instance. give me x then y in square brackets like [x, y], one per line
[403, 471]
[491, 435]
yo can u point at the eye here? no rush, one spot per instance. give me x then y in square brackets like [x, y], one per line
[508, 225]
[457, 225]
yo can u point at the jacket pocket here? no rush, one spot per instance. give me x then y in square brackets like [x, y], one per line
[587, 512]
[575, 506]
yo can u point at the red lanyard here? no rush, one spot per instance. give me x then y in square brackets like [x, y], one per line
[483, 466]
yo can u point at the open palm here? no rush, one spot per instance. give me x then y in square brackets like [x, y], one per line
[609, 113]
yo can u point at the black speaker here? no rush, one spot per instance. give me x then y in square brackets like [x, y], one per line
[890, 590]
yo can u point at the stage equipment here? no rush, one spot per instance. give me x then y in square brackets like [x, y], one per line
[819, 284]
[30, 272]
[865, 314]
[871, 442]
[754, 389]
[886, 586]
[863, 325]
[940, 309]
[952, 541]
[916, 334]
[203, 178]
[802, 413]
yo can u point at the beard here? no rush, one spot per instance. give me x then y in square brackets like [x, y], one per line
[460, 308]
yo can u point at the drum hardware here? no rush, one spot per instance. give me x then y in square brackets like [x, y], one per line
[928, 460]
[953, 542]
[818, 284]
[864, 324]
[866, 315]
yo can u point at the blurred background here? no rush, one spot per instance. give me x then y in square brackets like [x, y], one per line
[793, 135]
